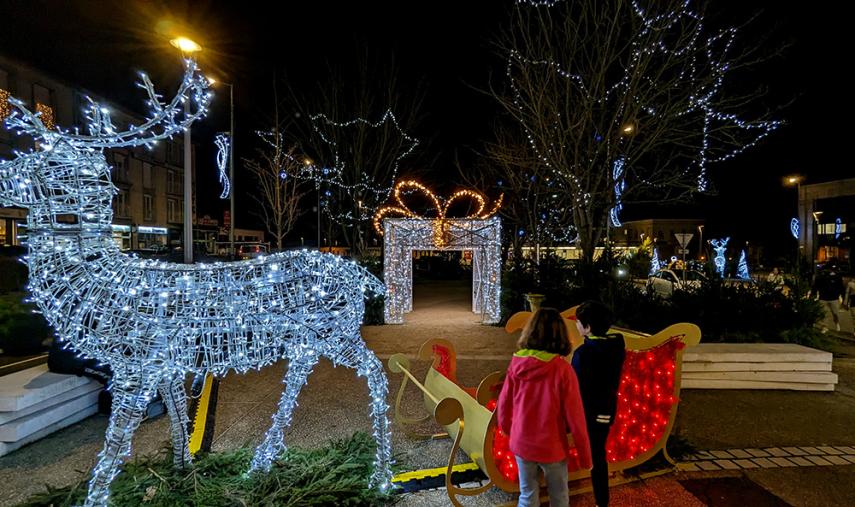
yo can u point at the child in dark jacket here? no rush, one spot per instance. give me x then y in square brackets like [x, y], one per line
[598, 362]
[538, 405]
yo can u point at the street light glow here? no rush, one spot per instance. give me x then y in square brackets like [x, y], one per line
[186, 45]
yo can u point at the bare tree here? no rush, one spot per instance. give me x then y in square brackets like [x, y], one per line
[356, 127]
[279, 195]
[621, 103]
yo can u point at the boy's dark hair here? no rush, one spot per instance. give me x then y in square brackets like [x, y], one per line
[595, 314]
[546, 331]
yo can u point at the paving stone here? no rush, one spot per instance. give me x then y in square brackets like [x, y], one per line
[688, 467]
[813, 451]
[721, 454]
[836, 460]
[739, 453]
[778, 453]
[801, 461]
[846, 450]
[830, 450]
[708, 465]
[745, 463]
[704, 455]
[764, 462]
[757, 453]
[782, 462]
[850, 458]
[726, 464]
[816, 460]
[795, 451]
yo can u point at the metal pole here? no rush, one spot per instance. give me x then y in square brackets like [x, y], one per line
[319, 215]
[232, 171]
[188, 198]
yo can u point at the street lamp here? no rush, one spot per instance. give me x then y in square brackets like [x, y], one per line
[231, 163]
[187, 47]
[815, 250]
[796, 181]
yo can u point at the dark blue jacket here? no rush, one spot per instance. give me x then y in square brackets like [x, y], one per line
[598, 363]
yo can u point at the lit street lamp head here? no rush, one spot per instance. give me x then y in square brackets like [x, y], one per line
[186, 45]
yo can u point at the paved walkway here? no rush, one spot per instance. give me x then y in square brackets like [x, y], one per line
[335, 403]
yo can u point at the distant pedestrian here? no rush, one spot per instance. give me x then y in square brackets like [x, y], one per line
[598, 363]
[828, 287]
[539, 404]
[776, 279]
[849, 301]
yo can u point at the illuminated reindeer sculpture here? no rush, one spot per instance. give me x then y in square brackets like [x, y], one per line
[155, 322]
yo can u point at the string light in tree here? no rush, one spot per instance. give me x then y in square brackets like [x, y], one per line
[702, 76]
[720, 247]
[154, 322]
[340, 177]
[620, 185]
[223, 147]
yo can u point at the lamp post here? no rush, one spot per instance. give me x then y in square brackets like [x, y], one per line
[796, 180]
[187, 48]
[231, 163]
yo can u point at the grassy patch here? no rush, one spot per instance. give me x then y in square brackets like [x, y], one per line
[336, 474]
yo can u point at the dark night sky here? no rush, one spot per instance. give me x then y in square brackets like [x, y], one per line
[444, 46]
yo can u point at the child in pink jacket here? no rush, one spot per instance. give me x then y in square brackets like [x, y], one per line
[539, 404]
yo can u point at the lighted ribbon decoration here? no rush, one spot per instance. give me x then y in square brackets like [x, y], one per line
[441, 225]
[838, 228]
[223, 146]
[794, 228]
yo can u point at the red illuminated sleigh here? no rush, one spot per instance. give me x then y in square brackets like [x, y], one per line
[647, 405]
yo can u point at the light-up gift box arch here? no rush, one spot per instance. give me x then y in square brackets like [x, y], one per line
[479, 231]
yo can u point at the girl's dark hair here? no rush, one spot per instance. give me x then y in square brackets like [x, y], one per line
[546, 331]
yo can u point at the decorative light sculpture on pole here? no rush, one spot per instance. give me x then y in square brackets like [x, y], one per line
[794, 228]
[155, 322]
[223, 154]
[742, 269]
[720, 247]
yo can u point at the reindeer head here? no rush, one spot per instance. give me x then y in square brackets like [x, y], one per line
[67, 172]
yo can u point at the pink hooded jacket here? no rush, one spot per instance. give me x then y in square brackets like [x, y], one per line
[539, 404]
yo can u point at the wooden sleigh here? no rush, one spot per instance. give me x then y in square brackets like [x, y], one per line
[647, 405]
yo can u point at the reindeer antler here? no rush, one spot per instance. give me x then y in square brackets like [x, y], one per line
[190, 103]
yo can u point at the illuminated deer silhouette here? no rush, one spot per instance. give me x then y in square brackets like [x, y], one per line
[155, 322]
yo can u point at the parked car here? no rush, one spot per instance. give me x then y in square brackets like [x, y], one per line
[251, 251]
[664, 281]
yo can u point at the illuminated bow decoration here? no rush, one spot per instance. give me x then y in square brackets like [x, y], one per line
[441, 226]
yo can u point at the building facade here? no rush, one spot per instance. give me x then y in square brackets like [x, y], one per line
[663, 234]
[148, 210]
[826, 216]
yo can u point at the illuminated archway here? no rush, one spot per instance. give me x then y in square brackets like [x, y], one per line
[404, 235]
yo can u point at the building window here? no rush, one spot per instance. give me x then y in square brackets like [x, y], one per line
[120, 168]
[146, 175]
[174, 211]
[43, 99]
[173, 182]
[174, 149]
[121, 207]
[148, 207]
[5, 107]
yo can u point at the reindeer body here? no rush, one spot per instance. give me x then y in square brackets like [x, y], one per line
[155, 322]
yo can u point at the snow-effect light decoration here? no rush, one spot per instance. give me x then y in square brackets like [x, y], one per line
[742, 269]
[794, 228]
[401, 236]
[720, 246]
[655, 263]
[440, 222]
[223, 147]
[620, 185]
[838, 228]
[716, 49]
[154, 322]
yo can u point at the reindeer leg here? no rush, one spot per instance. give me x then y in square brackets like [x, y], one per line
[132, 393]
[175, 398]
[274, 440]
[366, 364]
